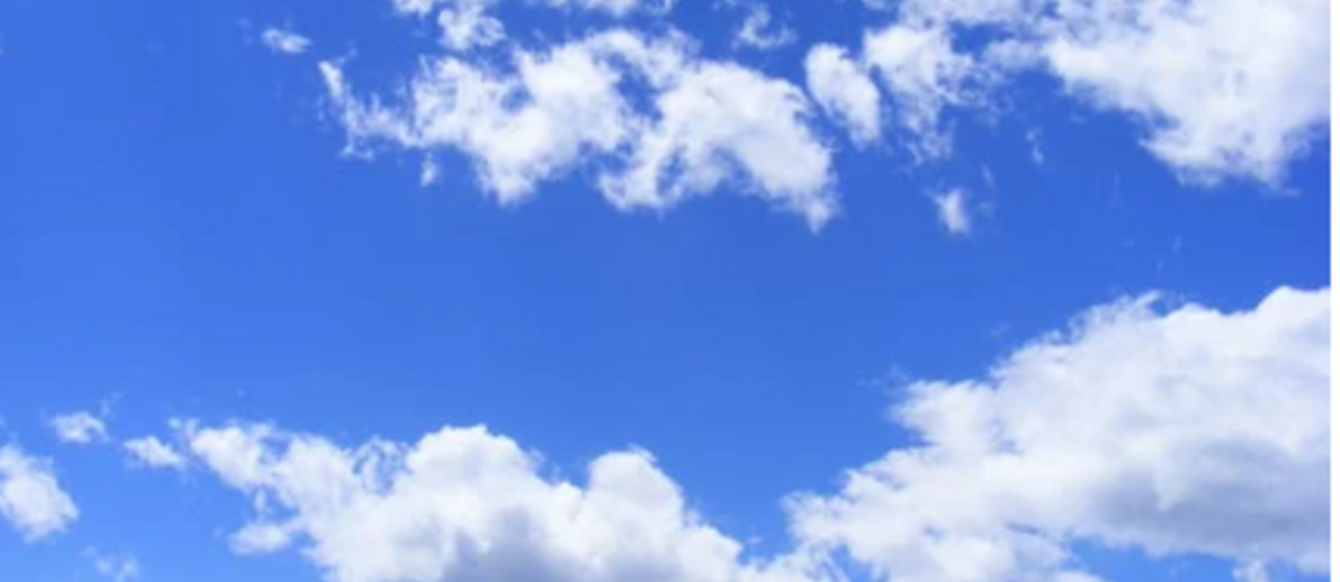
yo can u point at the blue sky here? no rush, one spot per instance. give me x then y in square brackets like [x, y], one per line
[200, 233]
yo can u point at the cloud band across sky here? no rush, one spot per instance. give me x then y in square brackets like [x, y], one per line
[1220, 89]
[1176, 431]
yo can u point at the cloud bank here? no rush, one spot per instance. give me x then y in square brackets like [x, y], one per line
[1220, 89]
[1174, 431]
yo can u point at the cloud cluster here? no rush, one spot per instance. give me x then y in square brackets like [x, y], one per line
[467, 504]
[1187, 432]
[706, 124]
[1176, 431]
[1223, 88]
[30, 497]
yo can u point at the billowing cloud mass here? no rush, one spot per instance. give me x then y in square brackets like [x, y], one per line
[1224, 88]
[467, 504]
[1220, 89]
[1174, 431]
[1228, 87]
[79, 428]
[711, 124]
[1192, 431]
[30, 497]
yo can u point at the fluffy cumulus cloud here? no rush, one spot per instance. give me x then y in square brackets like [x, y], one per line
[924, 74]
[30, 497]
[466, 504]
[1227, 86]
[1172, 429]
[1187, 431]
[1220, 89]
[843, 88]
[716, 120]
[707, 124]
[1224, 88]
[79, 428]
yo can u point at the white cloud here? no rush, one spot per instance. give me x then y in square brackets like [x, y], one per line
[952, 209]
[117, 568]
[465, 504]
[1171, 430]
[569, 105]
[924, 74]
[285, 41]
[1225, 88]
[758, 30]
[1190, 431]
[566, 107]
[79, 428]
[844, 90]
[1228, 87]
[151, 452]
[719, 118]
[30, 497]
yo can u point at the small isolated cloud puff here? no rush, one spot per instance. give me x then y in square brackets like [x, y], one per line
[710, 124]
[1187, 432]
[79, 428]
[759, 30]
[284, 41]
[117, 568]
[154, 453]
[30, 497]
[952, 209]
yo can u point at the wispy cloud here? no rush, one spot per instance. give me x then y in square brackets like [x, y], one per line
[285, 41]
